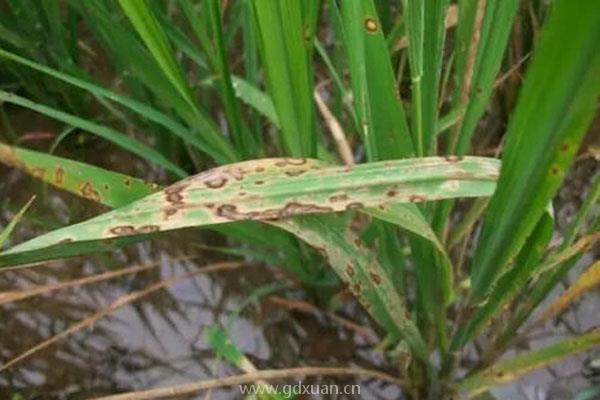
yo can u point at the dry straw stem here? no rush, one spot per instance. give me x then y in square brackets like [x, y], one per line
[16, 295]
[587, 281]
[337, 133]
[307, 308]
[266, 375]
[120, 302]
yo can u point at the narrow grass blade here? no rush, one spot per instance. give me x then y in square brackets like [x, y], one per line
[426, 28]
[104, 132]
[285, 52]
[138, 107]
[376, 97]
[509, 370]
[481, 72]
[256, 98]
[273, 189]
[545, 278]
[242, 138]
[8, 229]
[133, 60]
[216, 51]
[546, 129]
[509, 283]
[156, 41]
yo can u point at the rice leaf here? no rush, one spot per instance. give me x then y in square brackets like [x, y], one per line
[144, 110]
[8, 229]
[479, 70]
[377, 101]
[272, 189]
[87, 181]
[544, 134]
[511, 369]
[156, 40]
[362, 273]
[426, 28]
[104, 132]
[285, 49]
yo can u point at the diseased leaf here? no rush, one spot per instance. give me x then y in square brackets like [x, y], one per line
[273, 189]
[359, 269]
[586, 281]
[87, 181]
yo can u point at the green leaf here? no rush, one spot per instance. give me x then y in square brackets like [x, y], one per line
[376, 97]
[478, 76]
[285, 52]
[156, 40]
[426, 28]
[8, 229]
[509, 370]
[554, 109]
[104, 132]
[256, 99]
[138, 107]
[510, 282]
[218, 339]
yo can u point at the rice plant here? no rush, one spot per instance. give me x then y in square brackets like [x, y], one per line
[350, 135]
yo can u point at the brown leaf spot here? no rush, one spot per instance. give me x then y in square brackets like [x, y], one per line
[122, 230]
[87, 190]
[295, 172]
[338, 197]
[259, 182]
[59, 175]
[392, 192]
[350, 270]
[296, 208]
[127, 181]
[355, 205]
[65, 241]
[290, 161]
[37, 172]
[564, 147]
[230, 211]
[259, 169]
[216, 183]
[415, 198]
[174, 194]
[554, 170]
[168, 212]
[357, 288]
[375, 278]
[148, 229]
[453, 158]
[371, 25]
